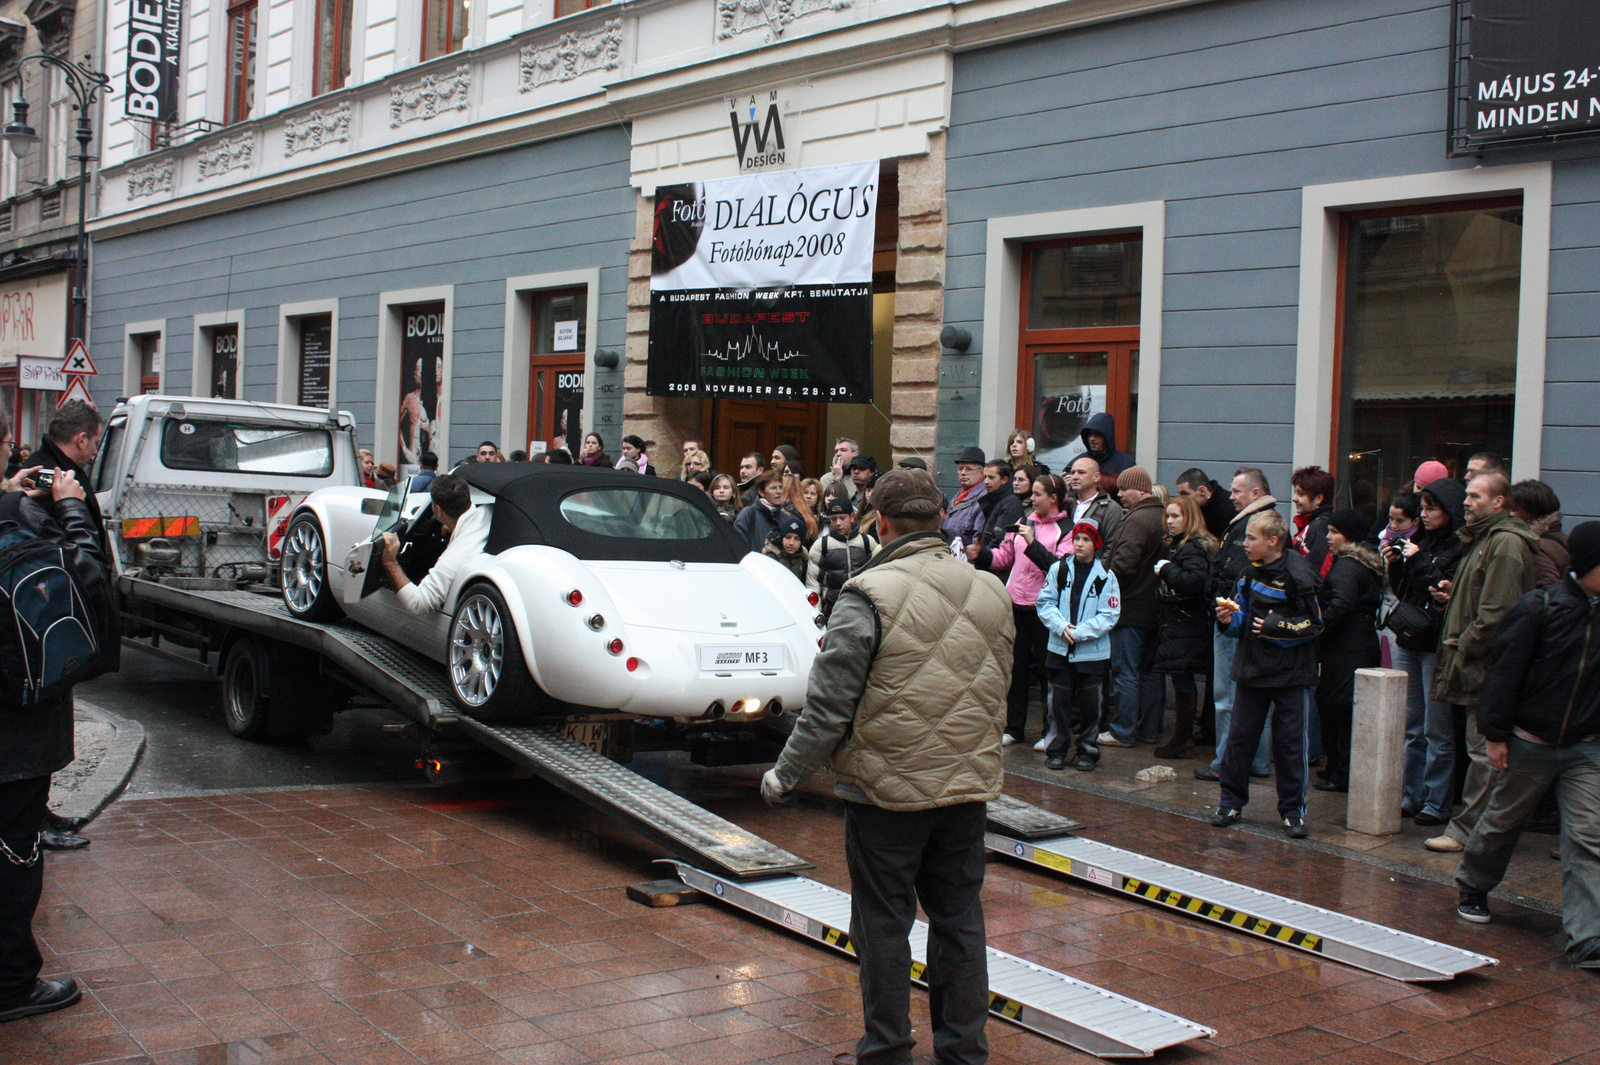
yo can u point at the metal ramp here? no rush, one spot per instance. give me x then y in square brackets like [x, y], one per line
[660, 815]
[1041, 1000]
[1023, 820]
[1287, 922]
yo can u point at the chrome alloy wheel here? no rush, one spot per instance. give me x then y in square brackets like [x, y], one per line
[477, 650]
[304, 566]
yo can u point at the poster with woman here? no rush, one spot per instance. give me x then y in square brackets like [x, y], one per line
[422, 380]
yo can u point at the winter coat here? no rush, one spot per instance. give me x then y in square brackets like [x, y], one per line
[39, 738]
[1544, 669]
[1283, 654]
[1438, 554]
[880, 704]
[1311, 535]
[1052, 538]
[1349, 598]
[1000, 509]
[1496, 570]
[1106, 513]
[966, 517]
[1188, 611]
[798, 563]
[1111, 460]
[1139, 544]
[1218, 510]
[756, 523]
[729, 510]
[1553, 561]
[1231, 561]
[835, 561]
[49, 456]
[1097, 611]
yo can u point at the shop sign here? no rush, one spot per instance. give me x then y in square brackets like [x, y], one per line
[33, 318]
[761, 286]
[40, 371]
[1532, 72]
[758, 135]
[155, 53]
[421, 380]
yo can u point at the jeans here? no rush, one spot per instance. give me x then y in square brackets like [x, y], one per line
[1430, 739]
[1480, 781]
[1027, 667]
[1222, 650]
[1575, 772]
[896, 860]
[1290, 709]
[1141, 695]
[1074, 712]
[22, 808]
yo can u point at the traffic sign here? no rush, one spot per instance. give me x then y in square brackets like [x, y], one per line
[75, 389]
[78, 361]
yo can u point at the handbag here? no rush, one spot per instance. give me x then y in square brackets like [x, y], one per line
[1411, 623]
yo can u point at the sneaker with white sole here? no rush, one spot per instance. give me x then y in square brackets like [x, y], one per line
[1107, 739]
[1007, 739]
[1295, 828]
[1044, 742]
[1226, 817]
[1444, 845]
[1474, 907]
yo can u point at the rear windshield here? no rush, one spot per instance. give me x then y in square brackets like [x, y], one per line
[632, 514]
[221, 447]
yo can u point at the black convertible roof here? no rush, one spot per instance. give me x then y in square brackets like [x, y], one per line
[527, 510]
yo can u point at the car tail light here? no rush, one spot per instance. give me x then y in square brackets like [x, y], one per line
[615, 646]
[813, 598]
[821, 640]
[633, 664]
[574, 598]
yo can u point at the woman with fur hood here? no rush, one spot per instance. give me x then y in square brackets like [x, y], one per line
[1350, 594]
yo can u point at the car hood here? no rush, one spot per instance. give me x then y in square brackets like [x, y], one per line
[707, 598]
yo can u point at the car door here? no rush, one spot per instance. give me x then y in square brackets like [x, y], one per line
[363, 563]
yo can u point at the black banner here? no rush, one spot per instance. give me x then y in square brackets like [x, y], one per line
[155, 54]
[225, 362]
[1532, 71]
[316, 347]
[422, 381]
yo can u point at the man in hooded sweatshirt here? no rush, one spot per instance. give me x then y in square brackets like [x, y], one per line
[1100, 443]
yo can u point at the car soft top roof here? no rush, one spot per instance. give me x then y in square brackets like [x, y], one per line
[527, 510]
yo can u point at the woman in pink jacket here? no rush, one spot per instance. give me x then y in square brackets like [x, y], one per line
[1035, 545]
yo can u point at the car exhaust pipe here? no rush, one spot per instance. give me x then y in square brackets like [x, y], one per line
[775, 708]
[716, 711]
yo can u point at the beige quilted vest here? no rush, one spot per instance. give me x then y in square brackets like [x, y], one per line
[927, 729]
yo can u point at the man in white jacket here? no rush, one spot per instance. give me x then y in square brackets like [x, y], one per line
[468, 527]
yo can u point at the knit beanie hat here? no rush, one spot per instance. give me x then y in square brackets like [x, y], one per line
[788, 523]
[1135, 477]
[1352, 523]
[1429, 472]
[1583, 544]
[1091, 529]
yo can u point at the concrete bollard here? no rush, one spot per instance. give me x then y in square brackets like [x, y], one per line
[1377, 752]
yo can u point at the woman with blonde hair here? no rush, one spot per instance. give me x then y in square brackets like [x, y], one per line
[695, 462]
[1019, 449]
[1183, 646]
[795, 503]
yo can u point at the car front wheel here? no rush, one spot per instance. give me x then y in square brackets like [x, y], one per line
[487, 673]
[306, 591]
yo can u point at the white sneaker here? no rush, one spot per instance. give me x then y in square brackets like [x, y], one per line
[1044, 742]
[1106, 739]
[1007, 739]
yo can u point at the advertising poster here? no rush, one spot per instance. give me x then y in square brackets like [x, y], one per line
[316, 345]
[225, 362]
[421, 381]
[569, 411]
[1533, 70]
[761, 286]
[1058, 423]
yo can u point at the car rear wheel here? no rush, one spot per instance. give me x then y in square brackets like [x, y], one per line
[304, 576]
[487, 673]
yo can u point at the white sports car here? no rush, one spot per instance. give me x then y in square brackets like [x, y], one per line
[597, 590]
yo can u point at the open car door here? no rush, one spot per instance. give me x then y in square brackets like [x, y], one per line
[364, 563]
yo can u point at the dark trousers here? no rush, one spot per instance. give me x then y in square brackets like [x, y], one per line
[1336, 697]
[22, 807]
[1290, 710]
[1027, 667]
[1075, 705]
[896, 860]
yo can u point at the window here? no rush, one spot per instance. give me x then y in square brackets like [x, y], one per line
[59, 136]
[1425, 358]
[220, 447]
[556, 369]
[10, 92]
[241, 69]
[633, 514]
[572, 7]
[110, 456]
[1078, 353]
[444, 26]
[334, 20]
[225, 362]
[149, 362]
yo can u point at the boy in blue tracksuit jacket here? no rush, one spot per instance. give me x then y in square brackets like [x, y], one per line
[1273, 613]
[1079, 604]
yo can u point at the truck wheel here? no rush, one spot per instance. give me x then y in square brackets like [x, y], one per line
[487, 673]
[304, 574]
[245, 675]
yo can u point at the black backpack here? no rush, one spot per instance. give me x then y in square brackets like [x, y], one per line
[48, 640]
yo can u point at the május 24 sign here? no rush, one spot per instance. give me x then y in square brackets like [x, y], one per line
[1528, 70]
[761, 286]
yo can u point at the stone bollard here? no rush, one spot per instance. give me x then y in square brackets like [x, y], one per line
[1377, 752]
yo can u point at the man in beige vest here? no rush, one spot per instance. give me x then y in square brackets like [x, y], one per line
[906, 702]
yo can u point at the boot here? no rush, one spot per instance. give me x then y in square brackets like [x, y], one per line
[1182, 741]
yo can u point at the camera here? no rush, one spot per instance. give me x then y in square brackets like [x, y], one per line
[1018, 527]
[44, 479]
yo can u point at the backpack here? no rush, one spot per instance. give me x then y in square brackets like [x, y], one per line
[47, 632]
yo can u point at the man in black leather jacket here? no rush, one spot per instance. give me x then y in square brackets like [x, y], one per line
[1539, 710]
[39, 742]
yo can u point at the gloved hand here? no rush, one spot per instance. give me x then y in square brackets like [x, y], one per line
[771, 790]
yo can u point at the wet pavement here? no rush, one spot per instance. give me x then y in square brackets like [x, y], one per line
[488, 924]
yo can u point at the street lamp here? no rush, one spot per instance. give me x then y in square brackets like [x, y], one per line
[86, 85]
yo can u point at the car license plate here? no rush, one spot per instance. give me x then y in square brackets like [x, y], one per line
[742, 656]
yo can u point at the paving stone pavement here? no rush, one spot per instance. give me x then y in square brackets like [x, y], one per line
[392, 924]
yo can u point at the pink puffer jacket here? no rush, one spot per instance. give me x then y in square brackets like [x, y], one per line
[1054, 534]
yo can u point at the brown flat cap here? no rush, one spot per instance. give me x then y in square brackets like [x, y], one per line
[904, 493]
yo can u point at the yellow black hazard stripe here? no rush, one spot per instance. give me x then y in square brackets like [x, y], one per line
[837, 937]
[999, 1004]
[1211, 911]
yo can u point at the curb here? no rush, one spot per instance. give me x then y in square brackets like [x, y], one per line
[108, 780]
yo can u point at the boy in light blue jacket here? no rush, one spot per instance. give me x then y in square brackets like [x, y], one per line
[1079, 604]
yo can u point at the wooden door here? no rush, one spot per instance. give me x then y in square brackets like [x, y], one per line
[555, 403]
[739, 426]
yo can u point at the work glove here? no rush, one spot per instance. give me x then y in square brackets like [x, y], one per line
[771, 790]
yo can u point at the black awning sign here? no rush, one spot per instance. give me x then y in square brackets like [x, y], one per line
[1532, 72]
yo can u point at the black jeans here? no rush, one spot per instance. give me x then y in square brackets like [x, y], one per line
[1075, 704]
[896, 860]
[22, 806]
[1027, 668]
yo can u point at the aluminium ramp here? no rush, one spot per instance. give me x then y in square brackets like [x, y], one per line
[1287, 922]
[1042, 1000]
[1013, 817]
[660, 815]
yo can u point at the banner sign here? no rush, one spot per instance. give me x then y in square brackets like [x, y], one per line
[40, 371]
[155, 55]
[1531, 70]
[761, 286]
